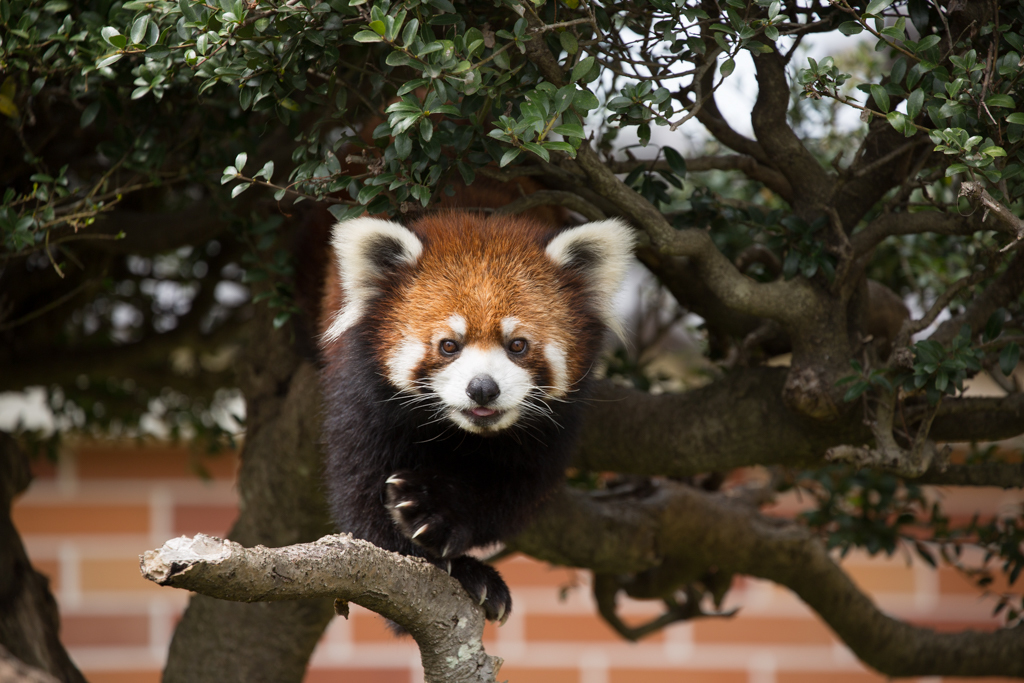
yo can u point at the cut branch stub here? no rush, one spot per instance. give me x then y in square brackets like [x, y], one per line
[429, 604]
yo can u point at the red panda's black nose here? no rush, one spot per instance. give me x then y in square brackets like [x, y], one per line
[483, 389]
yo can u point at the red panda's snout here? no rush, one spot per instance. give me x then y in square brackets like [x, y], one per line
[482, 385]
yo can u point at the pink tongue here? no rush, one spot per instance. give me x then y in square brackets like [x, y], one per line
[483, 412]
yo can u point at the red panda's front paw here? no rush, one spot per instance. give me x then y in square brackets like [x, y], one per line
[416, 504]
[485, 585]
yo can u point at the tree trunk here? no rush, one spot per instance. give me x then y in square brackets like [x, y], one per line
[281, 503]
[29, 622]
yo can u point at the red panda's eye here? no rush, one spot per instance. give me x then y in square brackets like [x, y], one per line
[517, 346]
[449, 347]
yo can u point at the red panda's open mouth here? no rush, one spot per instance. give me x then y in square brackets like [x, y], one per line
[483, 417]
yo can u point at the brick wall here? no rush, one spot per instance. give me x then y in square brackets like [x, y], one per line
[86, 520]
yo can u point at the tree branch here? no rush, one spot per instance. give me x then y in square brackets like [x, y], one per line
[682, 531]
[889, 224]
[432, 606]
[748, 165]
[785, 301]
[786, 152]
[739, 421]
[1005, 289]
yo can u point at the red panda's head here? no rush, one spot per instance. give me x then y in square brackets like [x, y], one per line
[484, 320]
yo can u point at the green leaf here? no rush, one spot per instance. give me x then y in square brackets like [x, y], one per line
[850, 28]
[570, 130]
[509, 156]
[1009, 357]
[994, 151]
[240, 161]
[113, 36]
[109, 59]
[569, 42]
[367, 37]
[1016, 117]
[899, 122]
[139, 28]
[369, 192]
[881, 97]
[377, 27]
[584, 101]
[1000, 101]
[239, 189]
[582, 67]
[914, 103]
[675, 161]
[538, 150]
[89, 115]
[728, 66]
[876, 6]
[403, 146]
[266, 172]
[188, 11]
[564, 97]
[994, 326]
[927, 42]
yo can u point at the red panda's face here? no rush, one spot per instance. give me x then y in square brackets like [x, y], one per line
[482, 322]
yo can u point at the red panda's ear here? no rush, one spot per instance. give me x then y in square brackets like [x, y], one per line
[366, 251]
[601, 251]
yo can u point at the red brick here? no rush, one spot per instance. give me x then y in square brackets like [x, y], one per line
[762, 631]
[142, 676]
[215, 520]
[356, 676]
[522, 571]
[677, 676]
[576, 628]
[152, 462]
[96, 630]
[520, 674]
[81, 519]
[115, 575]
[882, 577]
[953, 581]
[370, 628]
[51, 570]
[830, 677]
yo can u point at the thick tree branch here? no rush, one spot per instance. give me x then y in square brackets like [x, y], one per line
[786, 152]
[710, 115]
[682, 531]
[739, 421]
[1005, 221]
[29, 623]
[429, 604]
[910, 224]
[785, 301]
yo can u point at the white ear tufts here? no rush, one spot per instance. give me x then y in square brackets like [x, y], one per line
[602, 252]
[365, 249]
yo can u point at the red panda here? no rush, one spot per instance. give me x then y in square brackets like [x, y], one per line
[455, 353]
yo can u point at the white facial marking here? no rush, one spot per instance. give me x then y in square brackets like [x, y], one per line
[402, 361]
[513, 381]
[458, 324]
[353, 242]
[508, 326]
[557, 361]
